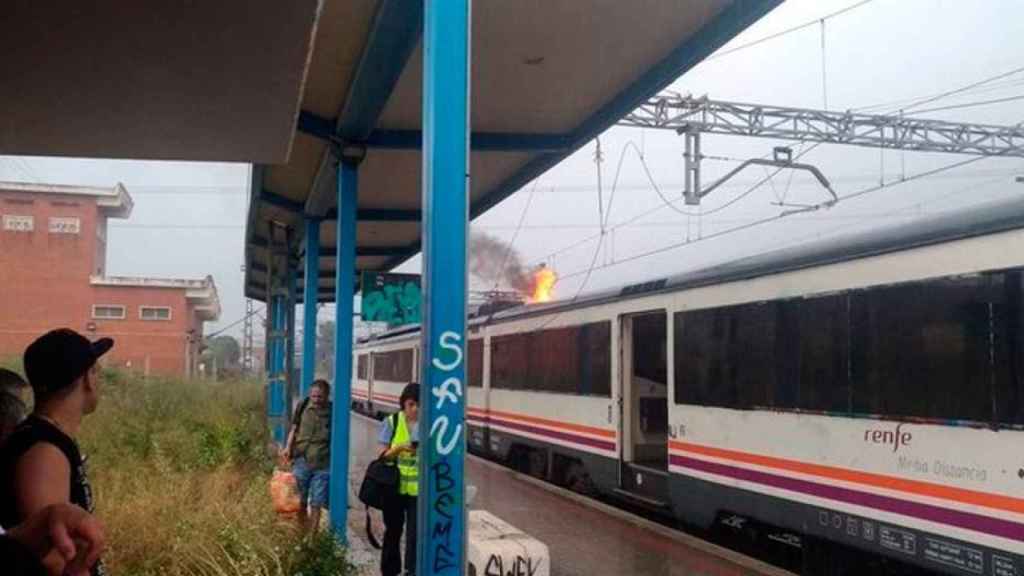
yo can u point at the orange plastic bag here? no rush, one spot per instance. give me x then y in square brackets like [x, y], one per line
[284, 493]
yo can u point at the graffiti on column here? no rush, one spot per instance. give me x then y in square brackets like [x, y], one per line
[391, 298]
[447, 439]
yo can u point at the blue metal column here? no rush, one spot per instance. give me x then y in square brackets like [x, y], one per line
[442, 506]
[278, 410]
[345, 273]
[291, 384]
[310, 295]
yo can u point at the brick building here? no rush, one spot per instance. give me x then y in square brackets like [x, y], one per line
[53, 253]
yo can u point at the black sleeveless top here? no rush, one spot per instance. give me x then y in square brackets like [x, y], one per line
[29, 433]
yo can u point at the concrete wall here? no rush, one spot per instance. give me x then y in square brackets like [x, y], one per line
[46, 285]
[45, 275]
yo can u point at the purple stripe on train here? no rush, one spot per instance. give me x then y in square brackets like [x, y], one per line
[564, 436]
[984, 524]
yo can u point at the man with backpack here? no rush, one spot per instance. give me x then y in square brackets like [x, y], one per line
[309, 450]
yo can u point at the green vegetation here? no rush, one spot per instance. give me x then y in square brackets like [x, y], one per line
[181, 479]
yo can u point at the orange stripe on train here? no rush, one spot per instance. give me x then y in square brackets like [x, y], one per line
[961, 495]
[545, 422]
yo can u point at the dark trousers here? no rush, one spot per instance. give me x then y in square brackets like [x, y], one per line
[402, 513]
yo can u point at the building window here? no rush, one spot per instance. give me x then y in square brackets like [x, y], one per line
[15, 223]
[65, 225]
[108, 312]
[154, 313]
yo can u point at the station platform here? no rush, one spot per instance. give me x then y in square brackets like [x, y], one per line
[585, 538]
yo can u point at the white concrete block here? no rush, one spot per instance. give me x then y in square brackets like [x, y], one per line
[496, 548]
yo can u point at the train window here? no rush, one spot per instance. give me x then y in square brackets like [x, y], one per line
[381, 366]
[393, 366]
[573, 360]
[404, 365]
[726, 356]
[698, 359]
[949, 348]
[650, 361]
[816, 357]
[924, 349]
[508, 362]
[475, 363]
[1009, 351]
[752, 363]
[361, 366]
[596, 360]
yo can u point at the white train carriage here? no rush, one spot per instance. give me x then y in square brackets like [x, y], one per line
[383, 370]
[867, 390]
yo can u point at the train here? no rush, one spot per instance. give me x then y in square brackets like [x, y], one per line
[865, 390]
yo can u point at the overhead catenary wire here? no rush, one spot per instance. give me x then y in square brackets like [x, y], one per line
[895, 105]
[776, 217]
[955, 91]
[255, 312]
[515, 235]
[787, 31]
[968, 104]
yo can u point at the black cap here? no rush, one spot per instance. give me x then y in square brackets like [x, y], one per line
[59, 357]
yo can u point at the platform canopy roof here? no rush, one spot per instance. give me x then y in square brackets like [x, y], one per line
[547, 76]
[219, 80]
[279, 84]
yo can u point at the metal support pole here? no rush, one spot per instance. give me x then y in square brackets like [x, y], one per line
[691, 191]
[344, 291]
[291, 385]
[278, 410]
[309, 299]
[441, 523]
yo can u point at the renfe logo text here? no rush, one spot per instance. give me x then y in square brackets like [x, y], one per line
[896, 438]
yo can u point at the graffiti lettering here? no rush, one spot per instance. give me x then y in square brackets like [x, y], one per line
[446, 392]
[446, 495]
[443, 504]
[443, 558]
[517, 566]
[438, 429]
[441, 531]
[452, 342]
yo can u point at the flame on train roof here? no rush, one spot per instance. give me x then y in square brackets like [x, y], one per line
[543, 284]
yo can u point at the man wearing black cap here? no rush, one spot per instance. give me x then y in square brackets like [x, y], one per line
[40, 464]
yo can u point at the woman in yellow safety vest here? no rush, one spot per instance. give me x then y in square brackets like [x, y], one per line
[399, 439]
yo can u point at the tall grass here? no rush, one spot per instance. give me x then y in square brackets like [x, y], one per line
[180, 475]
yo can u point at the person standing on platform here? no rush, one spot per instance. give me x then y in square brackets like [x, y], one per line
[399, 439]
[40, 463]
[309, 450]
[12, 407]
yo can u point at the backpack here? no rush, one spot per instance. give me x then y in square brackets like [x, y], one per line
[380, 485]
[297, 419]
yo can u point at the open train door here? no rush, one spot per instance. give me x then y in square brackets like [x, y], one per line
[371, 410]
[643, 401]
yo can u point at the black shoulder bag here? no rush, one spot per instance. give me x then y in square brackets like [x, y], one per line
[380, 485]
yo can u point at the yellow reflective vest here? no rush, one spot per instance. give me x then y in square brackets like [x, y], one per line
[408, 464]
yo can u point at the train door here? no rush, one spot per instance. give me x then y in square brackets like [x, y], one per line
[644, 404]
[370, 409]
[416, 368]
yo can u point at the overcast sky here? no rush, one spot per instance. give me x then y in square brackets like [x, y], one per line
[189, 217]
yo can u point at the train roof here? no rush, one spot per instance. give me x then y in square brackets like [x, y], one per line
[984, 219]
